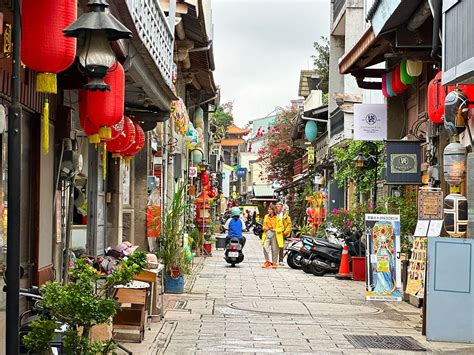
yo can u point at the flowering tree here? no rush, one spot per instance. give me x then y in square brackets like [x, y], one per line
[279, 154]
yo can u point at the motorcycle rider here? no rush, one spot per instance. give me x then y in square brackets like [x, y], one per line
[235, 227]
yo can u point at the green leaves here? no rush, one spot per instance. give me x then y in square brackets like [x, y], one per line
[83, 302]
[222, 119]
[345, 166]
[42, 331]
[171, 251]
[321, 63]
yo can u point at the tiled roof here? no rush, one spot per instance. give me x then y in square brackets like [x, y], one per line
[231, 142]
[233, 129]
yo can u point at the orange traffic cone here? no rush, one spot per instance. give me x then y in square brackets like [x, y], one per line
[344, 271]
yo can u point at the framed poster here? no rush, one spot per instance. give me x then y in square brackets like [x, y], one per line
[417, 268]
[430, 204]
[384, 282]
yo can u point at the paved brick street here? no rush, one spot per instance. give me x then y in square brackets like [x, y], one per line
[254, 310]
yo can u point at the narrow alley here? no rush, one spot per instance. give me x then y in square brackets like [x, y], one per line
[254, 310]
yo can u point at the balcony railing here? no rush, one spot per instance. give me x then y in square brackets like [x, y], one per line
[338, 5]
[154, 31]
[322, 147]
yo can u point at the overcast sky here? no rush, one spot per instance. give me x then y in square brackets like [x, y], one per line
[260, 46]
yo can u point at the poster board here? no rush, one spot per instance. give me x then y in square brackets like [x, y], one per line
[384, 282]
[417, 268]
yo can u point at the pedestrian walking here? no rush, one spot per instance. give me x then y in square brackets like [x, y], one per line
[283, 225]
[271, 239]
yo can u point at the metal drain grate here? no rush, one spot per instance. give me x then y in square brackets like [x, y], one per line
[211, 276]
[384, 342]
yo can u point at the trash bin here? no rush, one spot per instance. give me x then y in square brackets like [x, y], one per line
[220, 242]
[358, 268]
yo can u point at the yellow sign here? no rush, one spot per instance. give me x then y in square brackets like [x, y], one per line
[310, 155]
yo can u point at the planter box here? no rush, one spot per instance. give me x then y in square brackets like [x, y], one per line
[358, 268]
[174, 285]
[207, 247]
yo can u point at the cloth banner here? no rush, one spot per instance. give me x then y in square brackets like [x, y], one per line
[153, 221]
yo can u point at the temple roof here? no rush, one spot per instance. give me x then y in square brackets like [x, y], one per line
[233, 129]
[231, 142]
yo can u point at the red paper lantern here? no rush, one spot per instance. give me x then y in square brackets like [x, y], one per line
[397, 84]
[125, 139]
[205, 178]
[138, 144]
[44, 48]
[105, 108]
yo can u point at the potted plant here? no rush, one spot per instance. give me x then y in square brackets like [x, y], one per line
[207, 245]
[84, 302]
[171, 249]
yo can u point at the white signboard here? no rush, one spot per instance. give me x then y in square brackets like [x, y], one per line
[370, 122]
[193, 172]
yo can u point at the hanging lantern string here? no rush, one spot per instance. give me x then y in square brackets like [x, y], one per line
[45, 136]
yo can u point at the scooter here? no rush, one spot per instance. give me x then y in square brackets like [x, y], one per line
[233, 252]
[326, 256]
[297, 249]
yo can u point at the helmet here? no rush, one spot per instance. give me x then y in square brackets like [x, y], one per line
[235, 211]
[456, 112]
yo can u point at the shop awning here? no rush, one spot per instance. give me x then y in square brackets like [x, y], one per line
[264, 199]
[294, 183]
[260, 191]
[368, 51]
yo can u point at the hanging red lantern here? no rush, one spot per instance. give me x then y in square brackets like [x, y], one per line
[398, 86]
[137, 145]
[44, 48]
[436, 96]
[91, 130]
[105, 108]
[125, 139]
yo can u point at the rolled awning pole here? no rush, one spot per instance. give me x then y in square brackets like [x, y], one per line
[14, 194]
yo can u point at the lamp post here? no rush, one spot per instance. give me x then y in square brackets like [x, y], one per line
[98, 27]
[14, 194]
[370, 161]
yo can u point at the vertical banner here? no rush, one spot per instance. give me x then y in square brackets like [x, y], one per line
[384, 281]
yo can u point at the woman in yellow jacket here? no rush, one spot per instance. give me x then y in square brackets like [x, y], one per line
[272, 237]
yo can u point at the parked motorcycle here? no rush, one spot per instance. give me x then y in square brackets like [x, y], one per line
[325, 256]
[233, 252]
[296, 249]
[258, 229]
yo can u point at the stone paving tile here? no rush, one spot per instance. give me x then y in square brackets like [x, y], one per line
[253, 310]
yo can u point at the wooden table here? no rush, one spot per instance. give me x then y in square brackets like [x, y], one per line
[133, 299]
[154, 277]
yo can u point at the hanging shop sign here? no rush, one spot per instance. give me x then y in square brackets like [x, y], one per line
[370, 122]
[384, 282]
[403, 162]
[193, 171]
[310, 155]
[430, 204]
[241, 173]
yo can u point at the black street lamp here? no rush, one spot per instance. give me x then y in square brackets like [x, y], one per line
[369, 160]
[98, 27]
